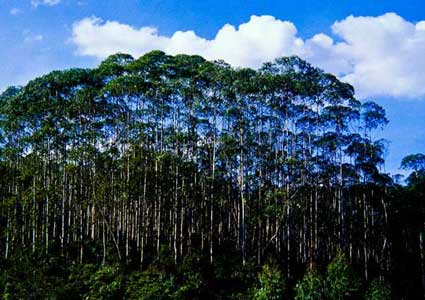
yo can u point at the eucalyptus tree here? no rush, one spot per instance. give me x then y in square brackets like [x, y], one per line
[416, 186]
[415, 162]
[163, 154]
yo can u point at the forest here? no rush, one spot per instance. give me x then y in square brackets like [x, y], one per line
[173, 177]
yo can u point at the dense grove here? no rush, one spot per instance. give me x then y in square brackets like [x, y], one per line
[172, 177]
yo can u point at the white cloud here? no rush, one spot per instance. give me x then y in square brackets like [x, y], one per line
[384, 55]
[379, 55]
[247, 45]
[36, 3]
[15, 11]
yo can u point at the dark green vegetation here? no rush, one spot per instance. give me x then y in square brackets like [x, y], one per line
[178, 178]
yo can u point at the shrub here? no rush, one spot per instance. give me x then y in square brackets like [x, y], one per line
[192, 277]
[378, 290]
[311, 287]
[78, 280]
[272, 285]
[105, 284]
[150, 285]
[341, 282]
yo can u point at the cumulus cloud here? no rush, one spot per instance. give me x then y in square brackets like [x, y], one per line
[36, 3]
[383, 55]
[247, 45]
[379, 55]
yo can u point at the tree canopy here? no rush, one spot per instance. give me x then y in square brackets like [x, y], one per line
[179, 155]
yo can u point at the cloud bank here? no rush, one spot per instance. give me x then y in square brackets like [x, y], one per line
[380, 56]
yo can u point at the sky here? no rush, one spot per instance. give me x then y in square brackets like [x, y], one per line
[378, 46]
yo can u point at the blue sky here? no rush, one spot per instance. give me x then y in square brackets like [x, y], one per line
[380, 49]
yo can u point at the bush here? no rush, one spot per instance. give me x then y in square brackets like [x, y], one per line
[105, 284]
[43, 281]
[150, 285]
[192, 277]
[378, 290]
[272, 285]
[311, 287]
[341, 282]
[78, 280]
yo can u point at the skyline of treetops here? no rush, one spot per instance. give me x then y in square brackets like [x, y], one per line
[174, 165]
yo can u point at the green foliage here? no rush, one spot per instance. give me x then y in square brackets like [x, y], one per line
[192, 281]
[105, 284]
[154, 159]
[271, 284]
[378, 290]
[236, 280]
[79, 280]
[191, 287]
[341, 282]
[413, 162]
[44, 280]
[150, 285]
[311, 287]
